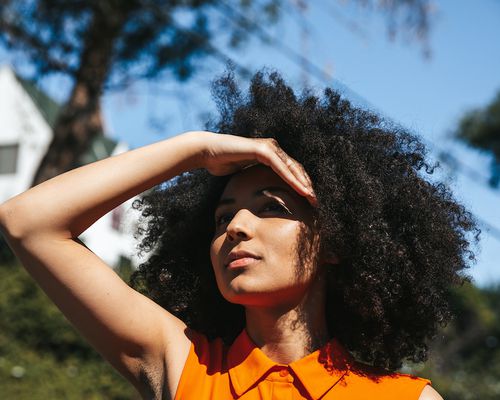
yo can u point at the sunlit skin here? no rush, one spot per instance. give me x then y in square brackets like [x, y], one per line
[261, 214]
[283, 294]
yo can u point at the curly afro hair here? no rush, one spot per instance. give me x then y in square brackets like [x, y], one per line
[403, 241]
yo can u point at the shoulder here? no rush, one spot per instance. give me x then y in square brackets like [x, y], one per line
[205, 356]
[429, 393]
[205, 365]
[205, 350]
[386, 385]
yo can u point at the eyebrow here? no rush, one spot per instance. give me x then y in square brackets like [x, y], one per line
[258, 193]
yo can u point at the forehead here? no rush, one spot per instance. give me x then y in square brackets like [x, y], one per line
[253, 178]
[246, 183]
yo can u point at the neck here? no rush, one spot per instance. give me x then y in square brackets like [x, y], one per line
[286, 333]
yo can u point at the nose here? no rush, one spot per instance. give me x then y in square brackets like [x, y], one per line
[241, 226]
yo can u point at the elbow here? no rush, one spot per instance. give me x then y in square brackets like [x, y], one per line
[21, 219]
[10, 223]
[3, 216]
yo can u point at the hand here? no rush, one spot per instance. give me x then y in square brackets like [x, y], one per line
[226, 154]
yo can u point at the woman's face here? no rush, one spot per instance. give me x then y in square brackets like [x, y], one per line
[259, 222]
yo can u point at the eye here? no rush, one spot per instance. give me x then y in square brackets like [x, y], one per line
[223, 219]
[272, 207]
[275, 206]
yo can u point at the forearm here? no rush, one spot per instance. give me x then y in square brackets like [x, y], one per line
[69, 203]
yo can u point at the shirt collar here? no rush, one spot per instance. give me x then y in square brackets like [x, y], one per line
[318, 372]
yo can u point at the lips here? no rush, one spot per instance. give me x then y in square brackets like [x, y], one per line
[240, 258]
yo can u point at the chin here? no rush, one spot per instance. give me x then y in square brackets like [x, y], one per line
[244, 295]
[251, 296]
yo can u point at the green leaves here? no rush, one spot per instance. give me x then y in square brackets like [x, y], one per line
[464, 358]
[41, 355]
[480, 128]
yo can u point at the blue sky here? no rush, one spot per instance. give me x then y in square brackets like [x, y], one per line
[426, 95]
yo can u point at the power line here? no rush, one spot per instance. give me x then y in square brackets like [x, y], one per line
[459, 166]
[493, 230]
[289, 52]
[299, 60]
[350, 25]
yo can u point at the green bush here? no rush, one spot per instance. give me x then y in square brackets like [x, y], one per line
[41, 355]
[6, 254]
[465, 356]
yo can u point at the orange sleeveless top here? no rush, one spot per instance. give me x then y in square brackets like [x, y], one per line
[243, 371]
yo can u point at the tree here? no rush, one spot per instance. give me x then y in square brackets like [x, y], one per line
[106, 43]
[464, 358]
[411, 17]
[481, 128]
[102, 44]
[41, 355]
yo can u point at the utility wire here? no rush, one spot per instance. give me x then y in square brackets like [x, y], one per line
[325, 78]
[315, 70]
[299, 60]
[492, 230]
[289, 52]
[459, 166]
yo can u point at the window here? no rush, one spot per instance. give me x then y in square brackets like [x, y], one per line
[8, 158]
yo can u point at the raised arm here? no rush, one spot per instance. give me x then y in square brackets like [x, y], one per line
[140, 339]
[42, 224]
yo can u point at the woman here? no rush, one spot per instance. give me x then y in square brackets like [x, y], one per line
[321, 282]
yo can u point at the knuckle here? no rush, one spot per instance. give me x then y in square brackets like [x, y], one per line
[272, 143]
[263, 148]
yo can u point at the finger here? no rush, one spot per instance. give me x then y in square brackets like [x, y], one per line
[299, 171]
[312, 197]
[293, 165]
[273, 159]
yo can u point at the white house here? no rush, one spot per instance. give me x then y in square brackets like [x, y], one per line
[27, 116]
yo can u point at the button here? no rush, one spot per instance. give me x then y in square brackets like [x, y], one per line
[283, 373]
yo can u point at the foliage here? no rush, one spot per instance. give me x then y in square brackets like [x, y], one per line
[41, 355]
[481, 128]
[145, 36]
[465, 356]
[6, 254]
[100, 44]
[413, 18]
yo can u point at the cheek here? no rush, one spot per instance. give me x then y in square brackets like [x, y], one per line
[291, 251]
[281, 241]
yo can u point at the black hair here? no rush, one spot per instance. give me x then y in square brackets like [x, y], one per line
[403, 241]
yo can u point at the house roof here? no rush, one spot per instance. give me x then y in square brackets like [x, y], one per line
[48, 107]
[101, 146]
